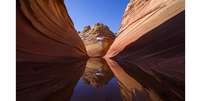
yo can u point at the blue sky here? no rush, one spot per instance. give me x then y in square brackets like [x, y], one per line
[89, 12]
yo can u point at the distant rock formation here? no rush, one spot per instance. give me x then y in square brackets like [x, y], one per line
[97, 39]
[45, 32]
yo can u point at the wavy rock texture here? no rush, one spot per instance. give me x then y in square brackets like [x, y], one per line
[142, 16]
[151, 44]
[162, 49]
[45, 32]
[97, 39]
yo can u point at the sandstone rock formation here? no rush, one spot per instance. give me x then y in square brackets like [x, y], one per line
[97, 39]
[142, 16]
[149, 51]
[45, 32]
[161, 50]
[151, 43]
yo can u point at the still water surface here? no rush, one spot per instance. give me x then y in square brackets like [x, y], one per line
[95, 80]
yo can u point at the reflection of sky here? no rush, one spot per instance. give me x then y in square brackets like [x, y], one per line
[84, 92]
[89, 12]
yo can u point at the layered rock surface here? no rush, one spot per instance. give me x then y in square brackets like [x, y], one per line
[142, 16]
[161, 50]
[152, 36]
[45, 32]
[149, 50]
[97, 39]
[151, 45]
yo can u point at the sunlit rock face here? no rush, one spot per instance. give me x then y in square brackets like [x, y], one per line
[162, 49]
[97, 39]
[141, 17]
[45, 32]
[152, 36]
[150, 44]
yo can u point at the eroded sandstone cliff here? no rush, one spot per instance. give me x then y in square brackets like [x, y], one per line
[152, 36]
[45, 32]
[142, 16]
[151, 43]
[97, 39]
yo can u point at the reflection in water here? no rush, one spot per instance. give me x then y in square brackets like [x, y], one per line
[136, 84]
[97, 73]
[130, 88]
[96, 80]
[97, 83]
[47, 81]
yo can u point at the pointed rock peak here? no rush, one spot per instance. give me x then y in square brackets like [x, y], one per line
[86, 28]
[97, 39]
[100, 26]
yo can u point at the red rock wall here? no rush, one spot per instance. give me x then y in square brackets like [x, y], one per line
[142, 16]
[152, 42]
[45, 32]
[161, 50]
[159, 53]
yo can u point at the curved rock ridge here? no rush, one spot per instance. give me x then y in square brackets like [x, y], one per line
[142, 16]
[45, 32]
[150, 46]
[159, 53]
[97, 39]
[161, 50]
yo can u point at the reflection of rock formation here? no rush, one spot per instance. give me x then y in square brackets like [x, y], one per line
[168, 87]
[47, 81]
[97, 72]
[45, 31]
[138, 84]
[151, 42]
[97, 39]
[129, 87]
